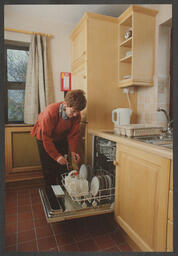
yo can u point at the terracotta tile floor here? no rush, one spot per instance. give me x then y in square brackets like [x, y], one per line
[28, 230]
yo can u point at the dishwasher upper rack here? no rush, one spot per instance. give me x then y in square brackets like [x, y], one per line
[107, 148]
[103, 194]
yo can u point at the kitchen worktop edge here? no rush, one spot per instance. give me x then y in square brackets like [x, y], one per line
[163, 152]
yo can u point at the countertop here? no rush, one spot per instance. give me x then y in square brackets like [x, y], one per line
[108, 134]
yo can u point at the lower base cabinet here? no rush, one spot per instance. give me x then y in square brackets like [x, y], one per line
[141, 197]
[170, 214]
[22, 162]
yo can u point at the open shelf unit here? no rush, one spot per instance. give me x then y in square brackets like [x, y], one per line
[136, 47]
[125, 49]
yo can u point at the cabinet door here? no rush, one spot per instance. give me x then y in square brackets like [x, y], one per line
[79, 81]
[78, 43]
[142, 185]
[170, 214]
[136, 48]
[22, 160]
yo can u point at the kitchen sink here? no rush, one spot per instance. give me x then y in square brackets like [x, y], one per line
[157, 140]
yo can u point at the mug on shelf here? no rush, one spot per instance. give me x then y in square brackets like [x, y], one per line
[128, 34]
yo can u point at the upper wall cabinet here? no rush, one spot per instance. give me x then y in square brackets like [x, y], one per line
[136, 38]
[79, 44]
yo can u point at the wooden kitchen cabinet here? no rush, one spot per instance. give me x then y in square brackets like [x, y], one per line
[78, 46]
[94, 69]
[22, 160]
[79, 81]
[136, 55]
[170, 213]
[141, 197]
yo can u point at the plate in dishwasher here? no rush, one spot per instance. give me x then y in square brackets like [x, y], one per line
[69, 209]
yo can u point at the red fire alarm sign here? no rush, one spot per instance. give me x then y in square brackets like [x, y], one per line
[65, 81]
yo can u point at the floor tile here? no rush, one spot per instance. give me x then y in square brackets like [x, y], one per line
[24, 195]
[112, 249]
[24, 201]
[105, 241]
[37, 214]
[59, 227]
[124, 247]
[23, 191]
[11, 248]
[44, 231]
[25, 225]
[87, 246]
[24, 216]
[29, 246]
[112, 223]
[94, 233]
[26, 236]
[70, 248]
[46, 243]
[11, 204]
[65, 238]
[40, 222]
[37, 205]
[11, 210]
[117, 237]
[11, 228]
[53, 250]
[10, 194]
[10, 239]
[10, 218]
[97, 230]
[26, 208]
[35, 197]
[11, 199]
[82, 235]
[34, 191]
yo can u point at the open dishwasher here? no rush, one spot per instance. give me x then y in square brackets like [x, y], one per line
[98, 199]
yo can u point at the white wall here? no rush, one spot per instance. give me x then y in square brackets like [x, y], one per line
[59, 45]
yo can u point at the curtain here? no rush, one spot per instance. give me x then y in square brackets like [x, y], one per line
[38, 94]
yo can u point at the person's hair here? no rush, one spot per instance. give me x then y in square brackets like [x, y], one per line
[76, 99]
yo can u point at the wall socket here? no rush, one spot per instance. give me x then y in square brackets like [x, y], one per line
[129, 90]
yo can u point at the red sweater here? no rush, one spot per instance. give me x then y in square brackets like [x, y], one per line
[50, 127]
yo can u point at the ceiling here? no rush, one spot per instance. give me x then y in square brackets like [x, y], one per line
[68, 14]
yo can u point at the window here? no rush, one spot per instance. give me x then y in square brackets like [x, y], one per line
[16, 58]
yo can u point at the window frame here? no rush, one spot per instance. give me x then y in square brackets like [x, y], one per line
[15, 45]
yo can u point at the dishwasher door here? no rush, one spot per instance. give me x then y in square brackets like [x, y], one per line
[67, 207]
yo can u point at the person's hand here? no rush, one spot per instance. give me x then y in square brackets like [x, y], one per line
[75, 157]
[61, 160]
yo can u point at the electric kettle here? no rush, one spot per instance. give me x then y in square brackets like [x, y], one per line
[121, 116]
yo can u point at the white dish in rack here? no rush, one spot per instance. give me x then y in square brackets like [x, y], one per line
[83, 172]
[95, 185]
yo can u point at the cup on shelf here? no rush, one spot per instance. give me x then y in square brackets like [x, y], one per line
[127, 77]
[128, 34]
[129, 53]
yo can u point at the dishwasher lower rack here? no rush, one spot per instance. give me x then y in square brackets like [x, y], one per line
[105, 195]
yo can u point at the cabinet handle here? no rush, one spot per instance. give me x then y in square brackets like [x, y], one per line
[115, 163]
[84, 77]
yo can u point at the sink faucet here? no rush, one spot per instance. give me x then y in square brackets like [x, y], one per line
[169, 131]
